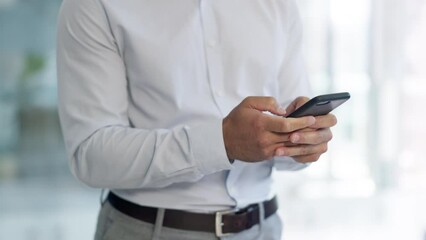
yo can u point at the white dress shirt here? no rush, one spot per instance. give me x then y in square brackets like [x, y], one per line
[144, 86]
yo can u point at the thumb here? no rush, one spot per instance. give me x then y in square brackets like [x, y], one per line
[269, 104]
[296, 103]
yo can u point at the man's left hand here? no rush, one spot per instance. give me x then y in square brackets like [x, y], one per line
[307, 145]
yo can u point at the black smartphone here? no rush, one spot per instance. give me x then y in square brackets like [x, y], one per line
[320, 105]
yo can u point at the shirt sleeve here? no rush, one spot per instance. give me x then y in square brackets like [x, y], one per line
[293, 77]
[103, 149]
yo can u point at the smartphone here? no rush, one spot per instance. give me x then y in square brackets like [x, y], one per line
[321, 105]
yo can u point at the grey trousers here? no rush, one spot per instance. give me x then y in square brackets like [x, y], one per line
[114, 225]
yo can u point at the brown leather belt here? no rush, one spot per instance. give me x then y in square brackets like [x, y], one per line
[221, 223]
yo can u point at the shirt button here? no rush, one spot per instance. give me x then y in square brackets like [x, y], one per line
[212, 43]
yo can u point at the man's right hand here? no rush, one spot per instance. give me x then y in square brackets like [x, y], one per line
[251, 135]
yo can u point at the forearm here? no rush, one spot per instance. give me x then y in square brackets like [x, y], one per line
[122, 157]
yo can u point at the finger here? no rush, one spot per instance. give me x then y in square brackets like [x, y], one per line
[269, 104]
[269, 152]
[298, 102]
[287, 125]
[312, 137]
[325, 121]
[307, 158]
[301, 150]
[301, 100]
[288, 144]
[273, 138]
[308, 129]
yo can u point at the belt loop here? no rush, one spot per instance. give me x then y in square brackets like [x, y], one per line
[158, 224]
[261, 218]
[102, 198]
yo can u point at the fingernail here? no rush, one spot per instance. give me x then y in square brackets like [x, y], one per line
[294, 138]
[312, 120]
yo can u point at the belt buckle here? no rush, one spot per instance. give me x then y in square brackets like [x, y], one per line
[219, 223]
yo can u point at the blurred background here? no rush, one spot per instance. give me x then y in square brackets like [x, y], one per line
[370, 185]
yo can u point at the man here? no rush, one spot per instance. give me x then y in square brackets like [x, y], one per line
[175, 106]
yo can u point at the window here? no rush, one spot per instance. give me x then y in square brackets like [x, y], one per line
[369, 184]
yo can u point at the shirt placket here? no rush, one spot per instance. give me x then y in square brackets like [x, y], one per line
[215, 71]
[213, 56]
